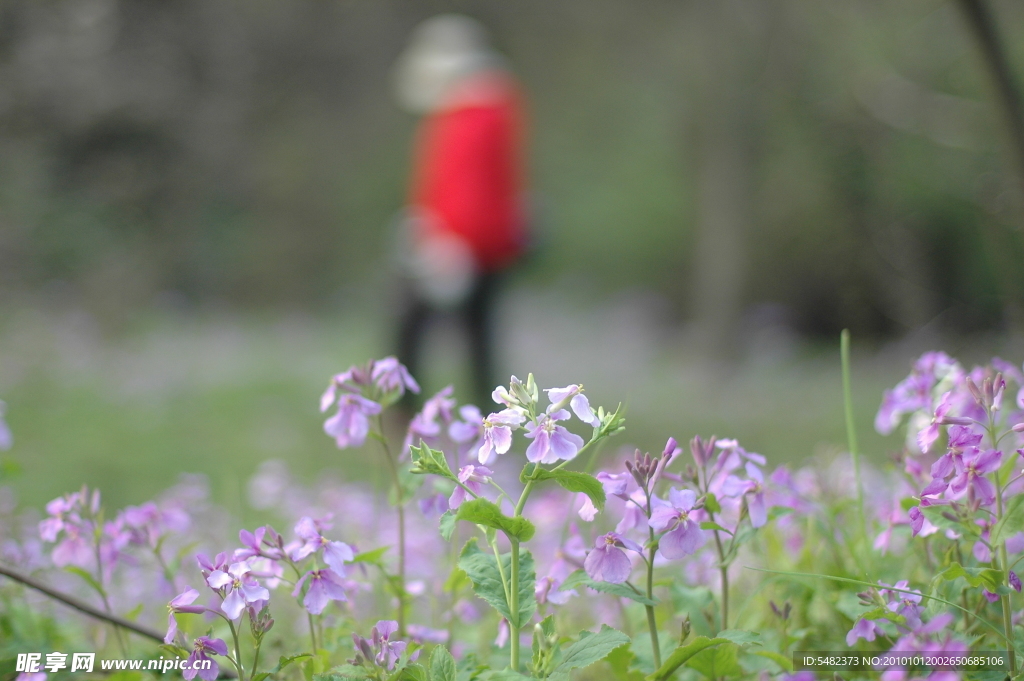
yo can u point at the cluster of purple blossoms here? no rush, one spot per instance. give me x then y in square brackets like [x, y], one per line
[725, 473]
[82, 538]
[359, 393]
[379, 650]
[939, 396]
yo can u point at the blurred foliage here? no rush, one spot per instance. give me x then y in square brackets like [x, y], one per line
[250, 152]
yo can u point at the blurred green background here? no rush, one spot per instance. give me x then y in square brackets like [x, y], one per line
[195, 199]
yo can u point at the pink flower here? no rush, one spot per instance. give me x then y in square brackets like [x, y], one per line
[683, 535]
[238, 588]
[324, 586]
[551, 441]
[608, 562]
[350, 426]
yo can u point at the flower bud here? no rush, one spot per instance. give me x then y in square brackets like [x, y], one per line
[973, 387]
[684, 630]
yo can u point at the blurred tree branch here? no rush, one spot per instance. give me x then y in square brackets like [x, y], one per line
[982, 24]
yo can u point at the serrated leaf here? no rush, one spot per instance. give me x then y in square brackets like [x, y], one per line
[482, 570]
[937, 515]
[777, 658]
[740, 636]
[574, 481]
[487, 513]
[285, 661]
[986, 577]
[590, 649]
[447, 525]
[427, 461]
[580, 578]
[1011, 523]
[415, 672]
[682, 655]
[442, 665]
[717, 662]
[372, 557]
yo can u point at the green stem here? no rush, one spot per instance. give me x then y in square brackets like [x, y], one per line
[652, 623]
[400, 507]
[851, 431]
[312, 631]
[723, 570]
[1003, 560]
[255, 660]
[238, 651]
[514, 606]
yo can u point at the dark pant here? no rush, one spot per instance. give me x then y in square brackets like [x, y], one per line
[476, 314]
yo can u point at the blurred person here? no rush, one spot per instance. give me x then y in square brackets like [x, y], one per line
[465, 223]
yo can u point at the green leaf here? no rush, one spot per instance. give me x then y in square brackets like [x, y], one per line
[447, 525]
[487, 513]
[939, 516]
[1011, 523]
[986, 577]
[482, 569]
[372, 557]
[884, 613]
[590, 648]
[717, 662]
[90, 580]
[505, 675]
[344, 671]
[574, 481]
[781, 660]
[682, 655]
[580, 578]
[740, 636]
[708, 525]
[414, 672]
[285, 661]
[427, 461]
[260, 676]
[711, 503]
[442, 665]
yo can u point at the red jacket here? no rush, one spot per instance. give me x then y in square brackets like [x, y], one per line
[468, 173]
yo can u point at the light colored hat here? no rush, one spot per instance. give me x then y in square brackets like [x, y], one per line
[441, 51]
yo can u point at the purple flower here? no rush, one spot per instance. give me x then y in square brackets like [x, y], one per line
[324, 585]
[350, 426]
[469, 431]
[6, 439]
[547, 591]
[472, 477]
[424, 425]
[389, 374]
[238, 588]
[608, 562]
[497, 436]
[863, 629]
[551, 441]
[971, 471]
[573, 394]
[753, 489]
[926, 438]
[181, 603]
[254, 545]
[200, 648]
[683, 535]
[336, 553]
[380, 649]
[1015, 581]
